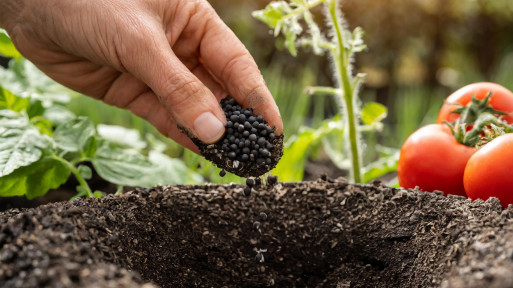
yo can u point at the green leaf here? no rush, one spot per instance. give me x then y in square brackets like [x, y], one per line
[36, 179]
[272, 13]
[20, 143]
[131, 168]
[98, 194]
[81, 192]
[291, 165]
[7, 49]
[74, 135]
[123, 166]
[171, 171]
[372, 113]
[384, 165]
[58, 115]
[356, 42]
[24, 79]
[12, 102]
[85, 172]
[290, 41]
[35, 109]
[90, 148]
[121, 136]
[44, 125]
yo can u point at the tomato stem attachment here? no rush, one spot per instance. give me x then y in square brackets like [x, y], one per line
[486, 128]
[470, 113]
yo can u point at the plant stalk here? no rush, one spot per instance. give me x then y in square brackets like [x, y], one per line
[344, 80]
[80, 179]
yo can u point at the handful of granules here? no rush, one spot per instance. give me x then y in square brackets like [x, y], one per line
[249, 148]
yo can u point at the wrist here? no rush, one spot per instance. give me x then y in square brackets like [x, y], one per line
[10, 12]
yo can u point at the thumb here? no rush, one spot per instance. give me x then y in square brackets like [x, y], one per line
[190, 103]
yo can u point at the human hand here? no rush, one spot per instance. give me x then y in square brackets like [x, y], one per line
[168, 61]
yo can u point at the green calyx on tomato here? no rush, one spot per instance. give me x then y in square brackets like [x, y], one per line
[499, 98]
[486, 128]
[470, 113]
[477, 122]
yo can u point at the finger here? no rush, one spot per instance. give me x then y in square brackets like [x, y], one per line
[148, 106]
[227, 58]
[190, 103]
[207, 79]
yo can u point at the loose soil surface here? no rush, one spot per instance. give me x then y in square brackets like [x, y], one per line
[317, 234]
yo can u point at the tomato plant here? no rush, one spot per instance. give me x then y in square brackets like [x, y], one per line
[501, 99]
[489, 172]
[432, 159]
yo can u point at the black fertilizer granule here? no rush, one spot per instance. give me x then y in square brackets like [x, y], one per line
[249, 147]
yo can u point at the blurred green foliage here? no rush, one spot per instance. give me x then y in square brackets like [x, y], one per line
[418, 53]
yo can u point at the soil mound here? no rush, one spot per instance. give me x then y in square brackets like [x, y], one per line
[315, 234]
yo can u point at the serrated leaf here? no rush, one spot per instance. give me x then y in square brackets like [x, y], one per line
[12, 102]
[7, 48]
[20, 143]
[36, 179]
[74, 135]
[373, 113]
[121, 136]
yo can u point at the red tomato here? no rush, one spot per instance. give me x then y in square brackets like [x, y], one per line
[502, 100]
[432, 159]
[489, 172]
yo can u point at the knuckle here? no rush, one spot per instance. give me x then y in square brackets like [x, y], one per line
[182, 92]
[229, 68]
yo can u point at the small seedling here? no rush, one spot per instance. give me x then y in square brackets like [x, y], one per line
[263, 216]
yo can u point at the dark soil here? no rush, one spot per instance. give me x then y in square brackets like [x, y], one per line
[316, 234]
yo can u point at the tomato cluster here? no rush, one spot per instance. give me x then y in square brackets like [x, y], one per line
[433, 158]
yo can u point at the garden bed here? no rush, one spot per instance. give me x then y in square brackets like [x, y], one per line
[317, 234]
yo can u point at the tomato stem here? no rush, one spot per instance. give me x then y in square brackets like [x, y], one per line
[486, 128]
[470, 113]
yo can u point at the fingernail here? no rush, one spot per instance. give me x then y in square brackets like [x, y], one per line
[208, 128]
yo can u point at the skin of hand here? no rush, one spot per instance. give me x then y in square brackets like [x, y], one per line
[167, 61]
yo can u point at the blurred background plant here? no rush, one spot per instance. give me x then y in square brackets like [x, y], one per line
[418, 53]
